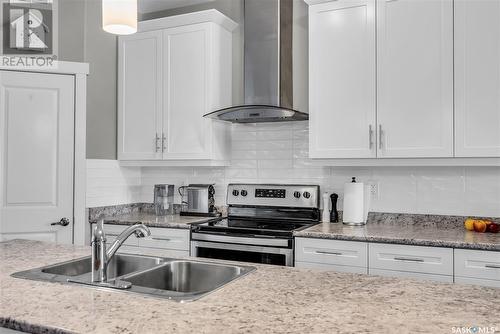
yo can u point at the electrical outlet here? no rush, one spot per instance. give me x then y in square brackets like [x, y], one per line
[373, 189]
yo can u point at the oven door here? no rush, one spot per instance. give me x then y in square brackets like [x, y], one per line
[244, 253]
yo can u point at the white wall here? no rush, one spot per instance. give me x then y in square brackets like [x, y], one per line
[277, 153]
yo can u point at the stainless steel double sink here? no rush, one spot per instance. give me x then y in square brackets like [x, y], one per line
[180, 280]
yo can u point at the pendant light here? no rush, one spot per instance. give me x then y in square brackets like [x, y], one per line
[119, 17]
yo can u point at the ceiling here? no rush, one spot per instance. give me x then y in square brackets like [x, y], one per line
[149, 6]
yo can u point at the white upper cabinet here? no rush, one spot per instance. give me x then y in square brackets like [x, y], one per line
[415, 78]
[140, 96]
[186, 75]
[477, 78]
[342, 79]
[172, 73]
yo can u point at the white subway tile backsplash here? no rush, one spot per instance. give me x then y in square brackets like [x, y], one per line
[275, 163]
[242, 155]
[273, 145]
[482, 191]
[245, 145]
[266, 155]
[278, 153]
[242, 173]
[397, 190]
[274, 135]
[244, 136]
[440, 189]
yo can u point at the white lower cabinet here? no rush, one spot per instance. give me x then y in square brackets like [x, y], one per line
[336, 255]
[477, 267]
[168, 242]
[411, 261]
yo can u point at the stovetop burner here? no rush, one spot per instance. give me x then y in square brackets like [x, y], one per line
[257, 224]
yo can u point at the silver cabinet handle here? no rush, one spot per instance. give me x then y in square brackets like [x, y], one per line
[163, 143]
[157, 143]
[161, 239]
[408, 259]
[380, 136]
[492, 266]
[62, 222]
[328, 252]
[370, 135]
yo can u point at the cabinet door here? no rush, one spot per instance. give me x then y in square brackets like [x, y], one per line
[139, 96]
[415, 78]
[477, 78]
[186, 75]
[342, 79]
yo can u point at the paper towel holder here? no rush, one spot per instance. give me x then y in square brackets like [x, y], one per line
[356, 203]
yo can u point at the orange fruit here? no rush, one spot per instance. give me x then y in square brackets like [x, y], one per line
[480, 226]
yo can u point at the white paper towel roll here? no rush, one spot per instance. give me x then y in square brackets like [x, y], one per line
[356, 203]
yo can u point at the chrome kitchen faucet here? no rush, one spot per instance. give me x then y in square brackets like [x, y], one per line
[101, 257]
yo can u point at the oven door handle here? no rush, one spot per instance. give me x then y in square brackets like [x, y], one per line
[247, 239]
[232, 234]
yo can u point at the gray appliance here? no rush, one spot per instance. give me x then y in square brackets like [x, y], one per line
[260, 224]
[272, 65]
[198, 200]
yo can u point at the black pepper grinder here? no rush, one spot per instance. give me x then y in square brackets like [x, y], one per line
[334, 214]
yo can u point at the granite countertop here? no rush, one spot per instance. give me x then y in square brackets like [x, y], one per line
[271, 299]
[419, 230]
[151, 220]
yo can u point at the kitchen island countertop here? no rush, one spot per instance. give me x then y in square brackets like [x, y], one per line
[271, 299]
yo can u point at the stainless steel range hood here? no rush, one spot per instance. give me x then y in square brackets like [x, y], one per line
[268, 66]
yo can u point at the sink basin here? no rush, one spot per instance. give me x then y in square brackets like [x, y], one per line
[180, 280]
[186, 276]
[119, 265]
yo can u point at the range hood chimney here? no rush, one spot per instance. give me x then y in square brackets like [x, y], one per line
[268, 66]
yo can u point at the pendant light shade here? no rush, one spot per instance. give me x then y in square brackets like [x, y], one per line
[119, 17]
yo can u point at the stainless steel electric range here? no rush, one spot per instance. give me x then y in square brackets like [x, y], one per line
[260, 223]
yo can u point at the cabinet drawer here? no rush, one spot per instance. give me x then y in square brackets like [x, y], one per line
[112, 231]
[477, 264]
[407, 274]
[167, 238]
[417, 259]
[331, 267]
[333, 252]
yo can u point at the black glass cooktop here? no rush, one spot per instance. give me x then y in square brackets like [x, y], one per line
[253, 226]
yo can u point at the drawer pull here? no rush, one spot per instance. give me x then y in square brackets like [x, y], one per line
[327, 252]
[408, 259]
[492, 266]
[161, 239]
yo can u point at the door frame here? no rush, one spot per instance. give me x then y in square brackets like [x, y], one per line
[79, 71]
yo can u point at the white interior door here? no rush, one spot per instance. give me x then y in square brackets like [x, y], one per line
[342, 79]
[140, 96]
[415, 78]
[186, 78]
[36, 156]
[477, 78]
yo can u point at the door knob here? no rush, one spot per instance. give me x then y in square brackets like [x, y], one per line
[62, 222]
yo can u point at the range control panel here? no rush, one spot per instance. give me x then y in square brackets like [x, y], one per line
[270, 193]
[290, 195]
